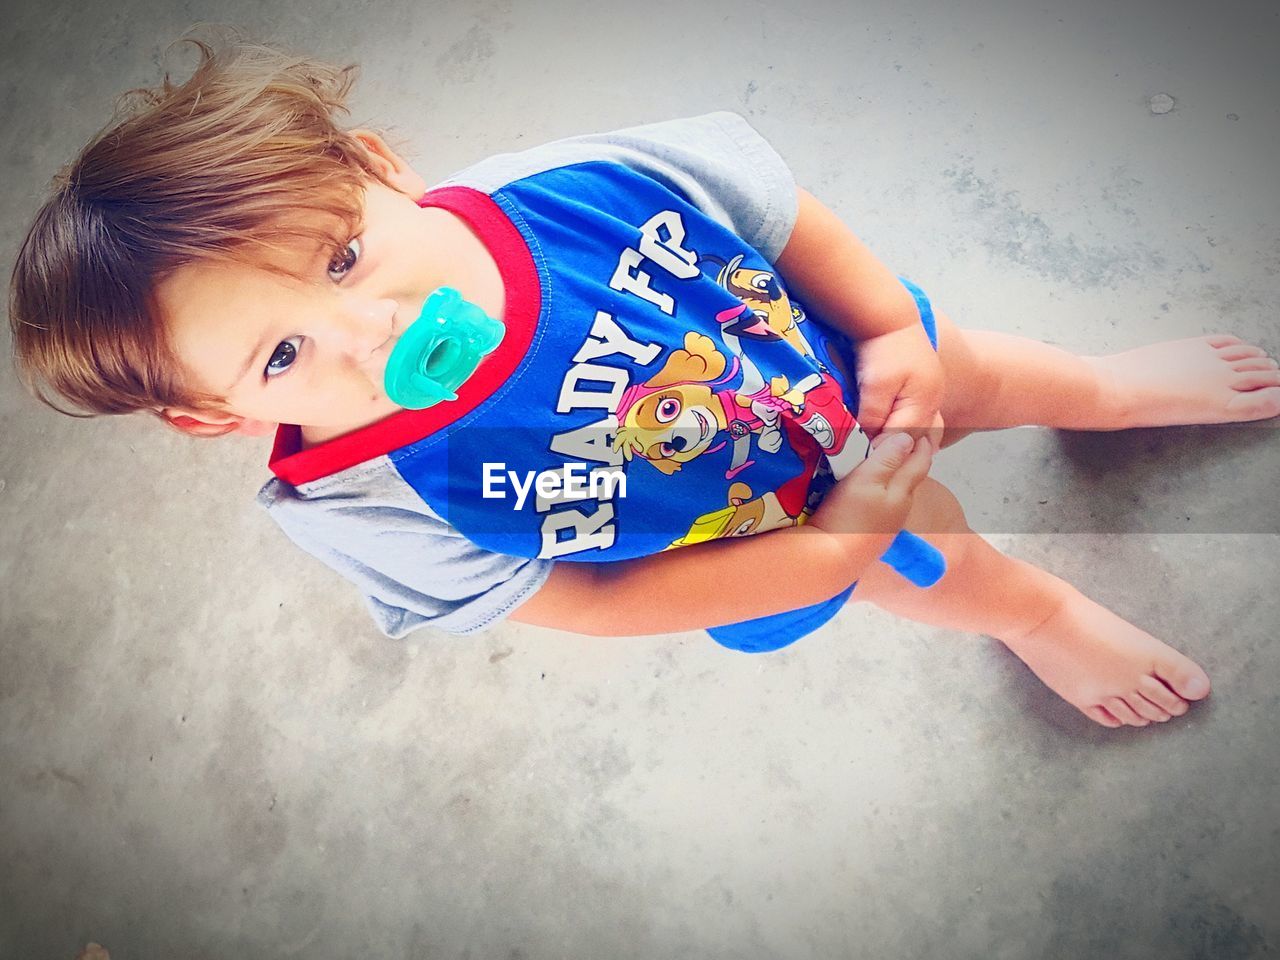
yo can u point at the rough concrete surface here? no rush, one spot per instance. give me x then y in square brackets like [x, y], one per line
[208, 750]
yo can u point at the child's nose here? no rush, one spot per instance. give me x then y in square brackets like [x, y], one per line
[368, 324]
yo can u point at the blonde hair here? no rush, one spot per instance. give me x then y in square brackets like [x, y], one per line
[216, 169]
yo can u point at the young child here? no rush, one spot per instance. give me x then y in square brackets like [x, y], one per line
[230, 260]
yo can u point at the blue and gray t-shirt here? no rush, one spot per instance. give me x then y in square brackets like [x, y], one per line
[657, 387]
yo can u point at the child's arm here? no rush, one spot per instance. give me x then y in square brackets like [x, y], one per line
[832, 272]
[830, 269]
[727, 581]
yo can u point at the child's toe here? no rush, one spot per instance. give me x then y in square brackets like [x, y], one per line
[1254, 363]
[1222, 339]
[1185, 678]
[1260, 404]
[1240, 351]
[1144, 707]
[1123, 712]
[1158, 693]
[1100, 715]
[1255, 379]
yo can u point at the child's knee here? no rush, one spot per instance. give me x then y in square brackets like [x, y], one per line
[936, 515]
[935, 510]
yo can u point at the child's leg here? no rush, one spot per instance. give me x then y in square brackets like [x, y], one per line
[997, 380]
[1110, 670]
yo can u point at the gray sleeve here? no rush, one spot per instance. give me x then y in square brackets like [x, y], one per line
[413, 569]
[718, 161]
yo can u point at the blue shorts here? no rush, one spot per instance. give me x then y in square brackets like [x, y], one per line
[778, 630]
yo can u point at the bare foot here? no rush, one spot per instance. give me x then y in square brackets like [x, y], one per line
[1107, 668]
[1213, 379]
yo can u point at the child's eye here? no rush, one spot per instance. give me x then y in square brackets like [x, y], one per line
[344, 262]
[283, 358]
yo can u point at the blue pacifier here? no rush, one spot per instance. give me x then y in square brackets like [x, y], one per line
[440, 350]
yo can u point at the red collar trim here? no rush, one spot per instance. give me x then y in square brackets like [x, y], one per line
[523, 303]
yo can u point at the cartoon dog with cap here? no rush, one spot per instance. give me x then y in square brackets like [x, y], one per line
[782, 375]
[769, 311]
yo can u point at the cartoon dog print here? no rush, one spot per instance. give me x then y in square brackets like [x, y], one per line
[678, 414]
[770, 312]
[763, 331]
[745, 515]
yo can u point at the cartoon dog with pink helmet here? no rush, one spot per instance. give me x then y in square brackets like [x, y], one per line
[685, 410]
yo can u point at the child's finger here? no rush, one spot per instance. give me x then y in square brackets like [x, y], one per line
[888, 454]
[914, 468]
[910, 418]
[937, 431]
[874, 404]
[881, 437]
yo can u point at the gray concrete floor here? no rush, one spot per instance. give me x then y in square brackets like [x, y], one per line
[209, 751]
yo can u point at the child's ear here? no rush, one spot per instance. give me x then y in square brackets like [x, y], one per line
[390, 164]
[205, 423]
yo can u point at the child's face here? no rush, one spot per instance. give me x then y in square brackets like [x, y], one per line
[311, 353]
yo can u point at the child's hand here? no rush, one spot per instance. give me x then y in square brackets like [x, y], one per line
[900, 384]
[876, 496]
